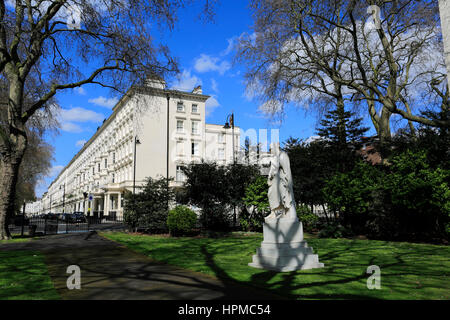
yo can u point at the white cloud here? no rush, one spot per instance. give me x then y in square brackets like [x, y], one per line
[206, 63]
[271, 107]
[231, 46]
[211, 105]
[312, 139]
[54, 171]
[80, 143]
[68, 118]
[71, 127]
[80, 115]
[104, 102]
[214, 85]
[80, 91]
[186, 81]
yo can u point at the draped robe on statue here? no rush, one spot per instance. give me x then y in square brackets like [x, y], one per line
[281, 190]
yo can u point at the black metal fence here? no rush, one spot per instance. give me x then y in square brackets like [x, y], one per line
[47, 225]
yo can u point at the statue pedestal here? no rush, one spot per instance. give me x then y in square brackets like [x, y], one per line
[284, 249]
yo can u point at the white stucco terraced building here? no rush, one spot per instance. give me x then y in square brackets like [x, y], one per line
[104, 167]
[444, 9]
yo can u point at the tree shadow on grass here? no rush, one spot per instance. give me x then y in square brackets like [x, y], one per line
[24, 276]
[118, 273]
[345, 273]
[286, 286]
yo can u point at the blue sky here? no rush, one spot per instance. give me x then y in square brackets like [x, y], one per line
[203, 50]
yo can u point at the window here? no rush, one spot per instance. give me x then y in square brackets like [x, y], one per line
[180, 126]
[195, 127]
[221, 137]
[222, 154]
[194, 108]
[195, 150]
[106, 163]
[113, 178]
[180, 107]
[180, 148]
[98, 167]
[114, 157]
[180, 174]
[93, 170]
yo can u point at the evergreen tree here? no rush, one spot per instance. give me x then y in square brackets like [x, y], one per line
[342, 132]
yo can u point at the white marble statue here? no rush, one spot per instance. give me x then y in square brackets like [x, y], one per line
[283, 248]
[281, 190]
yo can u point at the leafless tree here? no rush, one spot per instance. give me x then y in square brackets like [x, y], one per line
[318, 52]
[51, 45]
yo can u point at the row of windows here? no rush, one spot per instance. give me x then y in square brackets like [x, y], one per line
[195, 151]
[181, 108]
[195, 127]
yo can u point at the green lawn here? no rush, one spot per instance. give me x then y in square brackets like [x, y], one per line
[16, 238]
[24, 276]
[408, 271]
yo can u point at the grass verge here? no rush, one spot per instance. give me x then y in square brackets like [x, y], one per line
[24, 276]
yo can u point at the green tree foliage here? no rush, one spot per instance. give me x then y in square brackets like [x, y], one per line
[238, 178]
[149, 208]
[310, 169]
[419, 195]
[257, 206]
[342, 131]
[207, 188]
[313, 163]
[408, 200]
[307, 217]
[341, 127]
[350, 195]
[181, 220]
[216, 189]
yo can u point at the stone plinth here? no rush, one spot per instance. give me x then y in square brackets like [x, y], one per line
[284, 249]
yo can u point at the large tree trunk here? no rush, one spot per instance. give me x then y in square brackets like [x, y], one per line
[384, 131]
[9, 172]
[13, 142]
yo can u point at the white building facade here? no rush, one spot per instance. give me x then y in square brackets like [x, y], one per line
[170, 131]
[444, 9]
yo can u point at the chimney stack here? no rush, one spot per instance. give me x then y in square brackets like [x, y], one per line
[197, 90]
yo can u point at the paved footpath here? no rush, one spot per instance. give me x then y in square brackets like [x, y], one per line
[110, 271]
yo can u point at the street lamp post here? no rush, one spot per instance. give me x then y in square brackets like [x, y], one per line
[230, 124]
[64, 207]
[136, 142]
[64, 197]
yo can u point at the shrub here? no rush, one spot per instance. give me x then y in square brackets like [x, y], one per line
[181, 220]
[148, 209]
[217, 217]
[351, 195]
[308, 218]
[257, 206]
[333, 230]
[406, 200]
[419, 196]
[216, 189]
